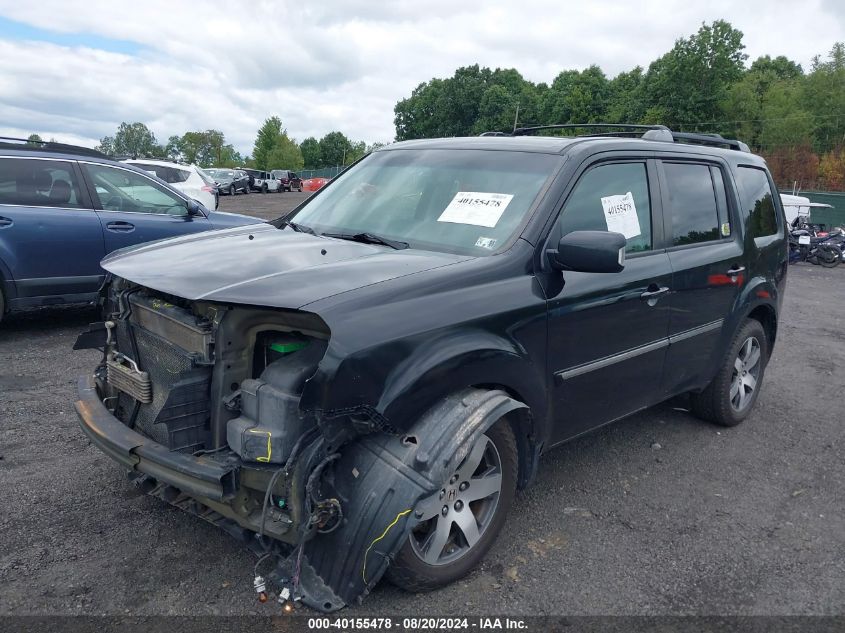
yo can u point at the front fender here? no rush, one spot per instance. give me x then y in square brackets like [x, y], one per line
[456, 361]
[399, 381]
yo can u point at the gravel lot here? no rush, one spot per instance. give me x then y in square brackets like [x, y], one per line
[267, 206]
[658, 514]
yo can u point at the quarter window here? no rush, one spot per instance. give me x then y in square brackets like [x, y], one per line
[692, 198]
[124, 190]
[758, 201]
[611, 197]
[38, 183]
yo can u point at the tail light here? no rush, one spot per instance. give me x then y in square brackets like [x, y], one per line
[208, 188]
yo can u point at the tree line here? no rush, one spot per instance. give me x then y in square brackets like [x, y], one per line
[795, 118]
[273, 148]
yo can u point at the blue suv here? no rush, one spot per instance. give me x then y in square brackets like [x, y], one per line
[63, 208]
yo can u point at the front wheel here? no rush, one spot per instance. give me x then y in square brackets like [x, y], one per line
[459, 523]
[264, 188]
[232, 190]
[729, 398]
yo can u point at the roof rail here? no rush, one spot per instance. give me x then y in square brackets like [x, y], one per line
[10, 142]
[713, 140]
[625, 128]
[646, 132]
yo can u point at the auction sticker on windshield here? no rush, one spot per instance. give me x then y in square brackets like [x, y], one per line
[476, 208]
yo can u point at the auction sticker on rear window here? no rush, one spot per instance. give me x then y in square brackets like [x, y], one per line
[476, 208]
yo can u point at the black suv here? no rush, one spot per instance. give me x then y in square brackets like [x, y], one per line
[363, 386]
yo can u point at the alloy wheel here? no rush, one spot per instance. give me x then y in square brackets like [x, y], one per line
[453, 519]
[746, 372]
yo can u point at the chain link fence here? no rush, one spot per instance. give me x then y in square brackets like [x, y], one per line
[325, 172]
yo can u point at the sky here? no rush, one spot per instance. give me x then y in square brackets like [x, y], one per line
[73, 70]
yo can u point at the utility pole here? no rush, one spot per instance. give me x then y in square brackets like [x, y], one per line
[516, 116]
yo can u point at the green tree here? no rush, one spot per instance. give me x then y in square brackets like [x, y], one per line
[33, 139]
[497, 110]
[689, 84]
[273, 148]
[310, 149]
[106, 145]
[334, 148]
[266, 141]
[824, 97]
[204, 148]
[779, 67]
[133, 140]
[626, 101]
[284, 155]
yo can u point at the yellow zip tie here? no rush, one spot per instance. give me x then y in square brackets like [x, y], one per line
[269, 446]
[383, 534]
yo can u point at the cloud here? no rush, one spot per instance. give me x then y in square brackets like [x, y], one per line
[332, 65]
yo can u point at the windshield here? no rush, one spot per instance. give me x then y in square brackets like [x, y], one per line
[221, 173]
[457, 201]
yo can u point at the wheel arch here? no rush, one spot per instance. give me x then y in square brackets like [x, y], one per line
[380, 478]
[767, 316]
[528, 442]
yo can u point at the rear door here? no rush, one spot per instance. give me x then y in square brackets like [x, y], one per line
[708, 265]
[50, 238]
[608, 332]
[133, 208]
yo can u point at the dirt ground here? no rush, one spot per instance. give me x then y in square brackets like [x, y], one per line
[267, 206]
[657, 514]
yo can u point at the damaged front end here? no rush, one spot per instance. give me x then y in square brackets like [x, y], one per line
[202, 403]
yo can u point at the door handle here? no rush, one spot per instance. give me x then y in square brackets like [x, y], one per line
[733, 272]
[124, 227]
[5, 222]
[653, 294]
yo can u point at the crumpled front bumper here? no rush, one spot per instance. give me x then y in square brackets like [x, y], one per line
[197, 476]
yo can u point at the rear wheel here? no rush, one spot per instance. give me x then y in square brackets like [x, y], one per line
[264, 188]
[459, 523]
[829, 256]
[2, 303]
[729, 398]
[246, 189]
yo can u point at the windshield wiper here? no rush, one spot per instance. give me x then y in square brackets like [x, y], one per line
[368, 238]
[299, 228]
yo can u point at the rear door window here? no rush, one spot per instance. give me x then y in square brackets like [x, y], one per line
[39, 183]
[611, 197]
[757, 201]
[692, 197]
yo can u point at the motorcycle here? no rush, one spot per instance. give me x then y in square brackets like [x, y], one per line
[824, 250]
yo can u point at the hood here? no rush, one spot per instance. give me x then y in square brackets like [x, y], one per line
[223, 219]
[266, 266]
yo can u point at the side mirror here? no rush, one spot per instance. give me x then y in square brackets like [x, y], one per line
[589, 252]
[193, 208]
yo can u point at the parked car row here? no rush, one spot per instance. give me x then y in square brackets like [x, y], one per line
[62, 209]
